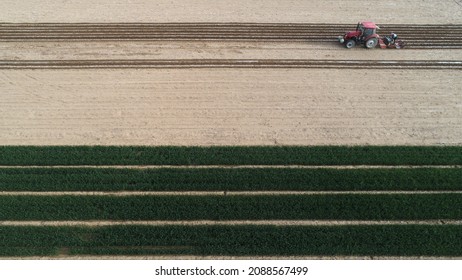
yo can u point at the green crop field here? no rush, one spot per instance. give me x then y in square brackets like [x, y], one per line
[417, 188]
[254, 155]
[214, 179]
[406, 240]
[254, 207]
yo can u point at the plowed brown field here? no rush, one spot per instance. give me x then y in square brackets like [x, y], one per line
[229, 106]
[324, 11]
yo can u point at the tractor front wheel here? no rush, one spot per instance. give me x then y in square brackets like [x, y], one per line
[371, 43]
[350, 44]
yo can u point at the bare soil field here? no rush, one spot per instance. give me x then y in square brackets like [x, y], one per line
[228, 106]
[231, 107]
[210, 50]
[409, 11]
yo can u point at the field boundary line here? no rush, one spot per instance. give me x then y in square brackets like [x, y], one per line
[214, 193]
[232, 223]
[290, 166]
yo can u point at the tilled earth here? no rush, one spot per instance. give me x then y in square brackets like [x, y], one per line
[287, 90]
[241, 104]
[231, 107]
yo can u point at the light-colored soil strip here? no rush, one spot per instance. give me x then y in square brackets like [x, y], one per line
[229, 63]
[234, 166]
[194, 257]
[214, 193]
[230, 223]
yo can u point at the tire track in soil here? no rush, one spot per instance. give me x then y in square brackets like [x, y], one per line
[231, 63]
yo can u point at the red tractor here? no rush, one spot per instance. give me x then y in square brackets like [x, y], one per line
[365, 34]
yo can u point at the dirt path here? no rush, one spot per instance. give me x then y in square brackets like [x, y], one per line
[231, 63]
[234, 166]
[210, 50]
[410, 11]
[230, 107]
[213, 193]
[225, 223]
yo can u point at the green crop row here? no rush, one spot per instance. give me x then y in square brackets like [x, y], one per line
[229, 207]
[258, 179]
[409, 240]
[231, 155]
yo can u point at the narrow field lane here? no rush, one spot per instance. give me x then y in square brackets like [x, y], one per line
[226, 223]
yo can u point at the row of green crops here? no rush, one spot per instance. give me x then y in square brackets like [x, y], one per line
[258, 179]
[354, 240]
[410, 240]
[257, 207]
[252, 155]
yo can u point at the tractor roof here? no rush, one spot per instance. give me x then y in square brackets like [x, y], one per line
[369, 24]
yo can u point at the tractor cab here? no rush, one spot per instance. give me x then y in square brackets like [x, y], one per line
[366, 29]
[365, 33]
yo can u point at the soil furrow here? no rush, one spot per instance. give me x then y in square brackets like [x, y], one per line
[230, 63]
[431, 34]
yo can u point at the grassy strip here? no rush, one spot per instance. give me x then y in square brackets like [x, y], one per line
[228, 179]
[415, 240]
[231, 155]
[261, 207]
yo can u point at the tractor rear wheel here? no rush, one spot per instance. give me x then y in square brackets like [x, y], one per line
[371, 43]
[350, 44]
